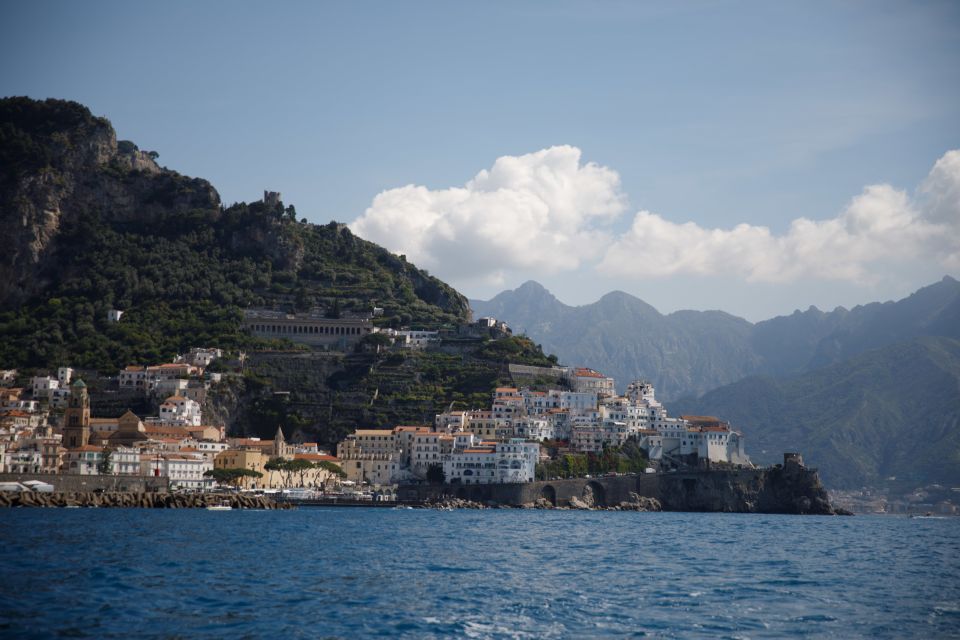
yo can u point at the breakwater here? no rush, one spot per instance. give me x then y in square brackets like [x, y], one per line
[136, 500]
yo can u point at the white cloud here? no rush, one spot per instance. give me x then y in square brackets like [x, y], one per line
[542, 212]
[879, 228]
[546, 213]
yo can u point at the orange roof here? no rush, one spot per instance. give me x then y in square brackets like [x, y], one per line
[88, 447]
[588, 373]
[318, 457]
[478, 450]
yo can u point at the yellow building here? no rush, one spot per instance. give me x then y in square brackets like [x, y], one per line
[251, 459]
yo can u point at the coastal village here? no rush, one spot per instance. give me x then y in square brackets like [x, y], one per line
[48, 432]
[46, 427]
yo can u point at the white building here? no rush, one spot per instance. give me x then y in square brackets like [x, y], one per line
[133, 377]
[180, 411]
[184, 470]
[512, 461]
[43, 385]
[584, 379]
[200, 357]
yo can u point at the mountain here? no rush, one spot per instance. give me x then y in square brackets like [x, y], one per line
[626, 338]
[887, 412]
[690, 352]
[91, 224]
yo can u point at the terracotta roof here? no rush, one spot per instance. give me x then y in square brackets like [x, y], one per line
[316, 457]
[478, 450]
[588, 373]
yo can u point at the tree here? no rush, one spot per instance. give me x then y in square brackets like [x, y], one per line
[435, 474]
[105, 466]
[231, 476]
[331, 467]
[301, 466]
[275, 464]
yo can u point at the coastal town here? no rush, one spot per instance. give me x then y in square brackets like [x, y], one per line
[48, 431]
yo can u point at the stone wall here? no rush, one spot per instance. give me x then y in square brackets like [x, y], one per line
[788, 489]
[71, 482]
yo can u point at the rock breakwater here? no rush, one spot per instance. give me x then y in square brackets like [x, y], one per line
[131, 499]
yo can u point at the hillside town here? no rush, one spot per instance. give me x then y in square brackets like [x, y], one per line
[47, 428]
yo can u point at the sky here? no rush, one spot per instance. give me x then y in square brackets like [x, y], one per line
[752, 157]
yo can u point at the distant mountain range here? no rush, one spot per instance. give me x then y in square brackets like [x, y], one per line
[865, 394]
[888, 412]
[687, 353]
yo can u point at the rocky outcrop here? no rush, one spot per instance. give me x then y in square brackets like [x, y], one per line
[789, 488]
[131, 499]
[640, 503]
[68, 166]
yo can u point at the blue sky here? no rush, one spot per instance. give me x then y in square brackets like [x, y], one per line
[712, 113]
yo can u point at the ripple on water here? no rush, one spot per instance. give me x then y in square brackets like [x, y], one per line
[495, 574]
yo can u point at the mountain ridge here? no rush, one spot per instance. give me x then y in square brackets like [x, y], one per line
[724, 347]
[888, 412]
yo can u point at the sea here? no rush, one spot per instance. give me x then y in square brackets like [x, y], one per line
[401, 573]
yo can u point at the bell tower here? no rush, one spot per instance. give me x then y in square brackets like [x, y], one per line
[76, 420]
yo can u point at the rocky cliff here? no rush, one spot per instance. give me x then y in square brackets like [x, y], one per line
[788, 488]
[93, 224]
[61, 162]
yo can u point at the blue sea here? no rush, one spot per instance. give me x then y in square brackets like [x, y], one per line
[363, 573]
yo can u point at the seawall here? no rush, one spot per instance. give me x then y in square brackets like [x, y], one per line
[791, 488]
[135, 500]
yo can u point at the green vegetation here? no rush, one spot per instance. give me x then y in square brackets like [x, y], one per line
[105, 466]
[301, 466]
[887, 413]
[628, 458]
[231, 476]
[31, 131]
[178, 264]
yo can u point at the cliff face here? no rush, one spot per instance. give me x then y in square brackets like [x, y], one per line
[61, 162]
[93, 224]
[790, 488]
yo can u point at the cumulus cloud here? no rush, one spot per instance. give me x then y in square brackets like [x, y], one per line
[882, 225]
[547, 212]
[542, 212]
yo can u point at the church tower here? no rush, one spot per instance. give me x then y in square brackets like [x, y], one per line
[280, 447]
[76, 420]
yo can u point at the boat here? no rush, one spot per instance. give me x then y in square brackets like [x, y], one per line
[223, 505]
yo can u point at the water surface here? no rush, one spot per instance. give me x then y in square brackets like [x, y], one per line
[349, 573]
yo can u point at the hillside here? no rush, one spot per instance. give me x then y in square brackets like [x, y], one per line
[888, 412]
[691, 352]
[93, 224]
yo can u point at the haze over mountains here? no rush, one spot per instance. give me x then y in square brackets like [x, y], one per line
[867, 394]
[687, 353]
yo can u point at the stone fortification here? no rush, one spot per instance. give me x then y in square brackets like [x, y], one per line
[790, 488]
